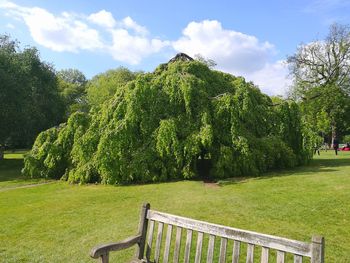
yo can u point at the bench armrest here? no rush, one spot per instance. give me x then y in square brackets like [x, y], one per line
[102, 250]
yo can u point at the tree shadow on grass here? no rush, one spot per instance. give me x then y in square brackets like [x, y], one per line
[10, 170]
[315, 166]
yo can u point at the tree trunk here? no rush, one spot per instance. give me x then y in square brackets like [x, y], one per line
[1, 152]
[334, 134]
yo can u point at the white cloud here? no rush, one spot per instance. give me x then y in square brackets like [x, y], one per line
[10, 26]
[73, 33]
[236, 53]
[131, 24]
[272, 79]
[103, 18]
[132, 48]
[233, 51]
[59, 33]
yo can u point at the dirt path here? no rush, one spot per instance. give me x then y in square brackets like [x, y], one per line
[24, 186]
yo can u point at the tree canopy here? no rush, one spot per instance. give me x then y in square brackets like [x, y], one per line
[160, 126]
[321, 72]
[29, 97]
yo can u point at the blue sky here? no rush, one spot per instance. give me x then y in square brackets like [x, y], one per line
[248, 38]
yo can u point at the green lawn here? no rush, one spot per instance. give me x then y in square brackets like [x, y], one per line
[59, 222]
[10, 171]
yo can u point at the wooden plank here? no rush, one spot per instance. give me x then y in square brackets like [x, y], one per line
[149, 240]
[143, 223]
[317, 250]
[177, 244]
[280, 256]
[223, 246]
[298, 259]
[199, 248]
[188, 246]
[264, 255]
[236, 251]
[102, 250]
[167, 244]
[210, 254]
[158, 242]
[273, 242]
[250, 253]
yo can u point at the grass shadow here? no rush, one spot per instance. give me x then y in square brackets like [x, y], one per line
[324, 165]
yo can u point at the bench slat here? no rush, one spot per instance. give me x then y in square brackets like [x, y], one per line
[199, 247]
[235, 252]
[158, 242]
[250, 253]
[298, 259]
[273, 242]
[280, 256]
[188, 246]
[177, 244]
[210, 254]
[167, 244]
[264, 255]
[223, 246]
[149, 240]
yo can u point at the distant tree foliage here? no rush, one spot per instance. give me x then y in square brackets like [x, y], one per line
[321, 72]
[161, 125]
[29, 97]
[72, 86]
[103, 87]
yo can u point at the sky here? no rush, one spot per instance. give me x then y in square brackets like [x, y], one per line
[247, 38]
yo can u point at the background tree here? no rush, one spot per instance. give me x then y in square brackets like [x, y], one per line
[72, 87]
[321, 72]
[29, 98]
[104, 86]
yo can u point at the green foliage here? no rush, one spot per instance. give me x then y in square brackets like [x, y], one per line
[103, 86]
[159, 126]
[72, 87]
[29, 97]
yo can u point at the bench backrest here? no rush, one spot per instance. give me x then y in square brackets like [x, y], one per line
[154, 249]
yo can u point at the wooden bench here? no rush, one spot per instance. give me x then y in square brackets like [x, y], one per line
[146, 240]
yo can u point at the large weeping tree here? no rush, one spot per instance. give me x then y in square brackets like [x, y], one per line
[321, 72]
[163, 125]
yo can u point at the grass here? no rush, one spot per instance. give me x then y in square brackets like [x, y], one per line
[60, 222]
[10, 171]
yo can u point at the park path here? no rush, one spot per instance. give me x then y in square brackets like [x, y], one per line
[24, 186]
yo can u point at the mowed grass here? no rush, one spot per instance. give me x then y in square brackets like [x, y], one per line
[10, 171]
[60, 222]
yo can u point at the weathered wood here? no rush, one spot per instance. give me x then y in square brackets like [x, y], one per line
[280, 256]
[150, 240]
[223, 246]
[250, 253]
[199, 248]
[210, 254]
[298, 259]
[188, 246]
[317, 255]
[177, 244]
[264, 255]
[273, 242]
[101, 250]
[167, 244]
[104, 258]
[143, 223]
[158, 242]
[236, 251]
[314, 250]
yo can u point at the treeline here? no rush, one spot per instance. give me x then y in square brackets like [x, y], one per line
[35, 97]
